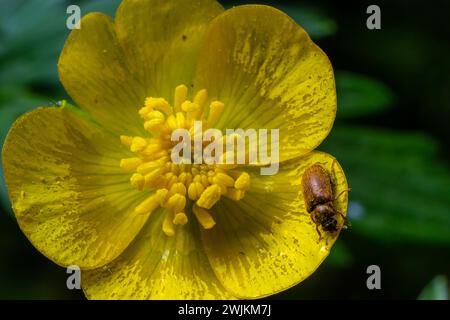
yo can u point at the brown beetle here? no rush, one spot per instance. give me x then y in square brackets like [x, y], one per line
[319, 198]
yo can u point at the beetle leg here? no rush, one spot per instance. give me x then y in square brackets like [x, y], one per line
[313, 218]
[346, 222]
[318, 231]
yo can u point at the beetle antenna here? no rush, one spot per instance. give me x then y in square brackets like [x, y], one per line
[347, 223]
[341, 193]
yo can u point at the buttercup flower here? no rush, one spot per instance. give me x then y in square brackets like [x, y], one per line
[96, 186]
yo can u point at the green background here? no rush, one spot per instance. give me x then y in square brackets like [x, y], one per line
[391, 137]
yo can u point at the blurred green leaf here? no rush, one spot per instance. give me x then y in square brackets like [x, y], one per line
[399, 186]
[30, 41]
[340, 255]
[312, 19]
[437, 289]
[359, 95]
[106, 6]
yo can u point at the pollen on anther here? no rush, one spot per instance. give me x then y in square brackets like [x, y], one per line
[172, 185]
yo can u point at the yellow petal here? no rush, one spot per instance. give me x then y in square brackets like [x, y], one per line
[157, 267]
[94, 72]
[161, 39]
[266, 242]
[69, 195]
[269, 74]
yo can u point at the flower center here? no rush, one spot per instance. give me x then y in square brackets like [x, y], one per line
[176, 186]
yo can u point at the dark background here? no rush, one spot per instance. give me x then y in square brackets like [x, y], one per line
[391, 137]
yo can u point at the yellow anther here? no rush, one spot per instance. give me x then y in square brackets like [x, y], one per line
[152, 177]
[223, 179]
[183, 167]
[209, 197]
[155, 182]
[195, 190]
[171, 179]
[151, 149]
[215, 110]
[192, 110]
[204, 180]
[168, 224]
[177, 188]
[154, 115]
[192, 191]
[130, 164]
[182, 177]
[180, 96]
[159, 104]
[148, 205]
[160, 156]
[126, 140]
[138, 144]
[180, 219]
[188, 106]
[176, 203]
[180, 119]
[203, 217]
[154, 125]
[162, 196]
[170, 175]
[235, 194]
[200, 99]
[144, 111]
[188, 179]
[148, 167]
[172, 122]
[137, 181]
[243, 182]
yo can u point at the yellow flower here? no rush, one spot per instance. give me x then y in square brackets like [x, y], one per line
[100, 191]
